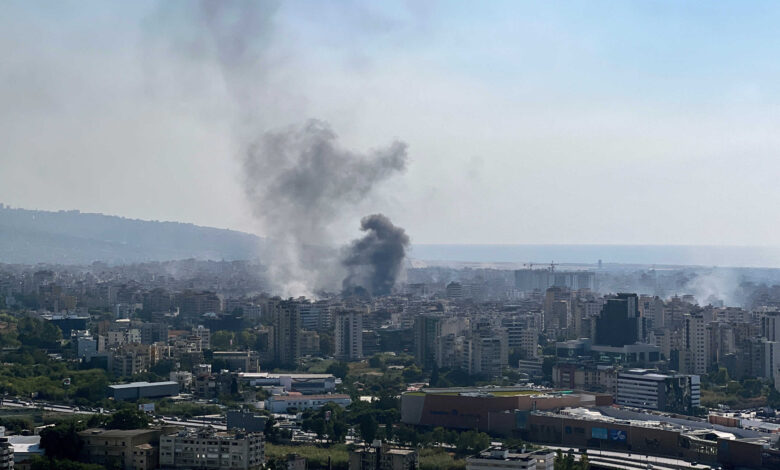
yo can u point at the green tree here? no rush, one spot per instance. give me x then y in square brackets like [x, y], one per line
[368, 428]
[721, 377]
[62, 441]
[42, 463]
[339, 369]
[247, 339]
[221, 340]
[567, 462]
[773, 400]
[163, 368]
[17, 424]
[271, 431]
[375, 361]
[406, 434]
[38, 333]
[471, 442]
[412, 374]
[751, 388]
[330, 420]
[128, 418]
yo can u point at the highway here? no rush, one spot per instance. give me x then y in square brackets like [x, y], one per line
[91, 411]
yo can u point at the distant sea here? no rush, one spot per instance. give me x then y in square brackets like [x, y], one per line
[731, 256]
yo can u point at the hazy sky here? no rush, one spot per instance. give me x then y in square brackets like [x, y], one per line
[527, 122]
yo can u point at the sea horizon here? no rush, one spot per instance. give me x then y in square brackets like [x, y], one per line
[590, 254]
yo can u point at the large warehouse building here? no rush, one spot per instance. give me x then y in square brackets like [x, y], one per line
[136, 390]
[489, 409]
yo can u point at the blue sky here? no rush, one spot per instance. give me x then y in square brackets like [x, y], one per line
[527, 122]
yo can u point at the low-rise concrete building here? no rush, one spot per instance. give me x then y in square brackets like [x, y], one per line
[246, 420]
[283, 403]
[642, 388]
[380, 456]
[303, 383]
[239, 361]
[131, 449]
[208, 449]
[25, 448]
[504, 459]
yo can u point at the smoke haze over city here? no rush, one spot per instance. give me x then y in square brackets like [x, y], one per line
[396, 235]
[590, 101]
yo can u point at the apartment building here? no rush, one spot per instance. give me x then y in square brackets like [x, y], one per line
[208, 449]
[642, 388]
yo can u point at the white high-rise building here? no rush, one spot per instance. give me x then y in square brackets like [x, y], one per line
[695, 344]
[771, 359]
[486, 355]
[522, 335]
[770, 326]
[349, 335]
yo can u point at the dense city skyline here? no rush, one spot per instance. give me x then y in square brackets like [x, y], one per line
[403, 235]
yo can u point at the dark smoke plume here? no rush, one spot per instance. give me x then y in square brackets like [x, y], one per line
[375, 261]
[300, 178]
[300, 182]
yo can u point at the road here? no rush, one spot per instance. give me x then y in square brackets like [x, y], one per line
[634, 461]
[78, 410]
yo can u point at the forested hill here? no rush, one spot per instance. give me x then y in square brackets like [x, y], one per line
[73, 237]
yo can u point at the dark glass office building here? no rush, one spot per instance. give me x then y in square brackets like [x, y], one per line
[619, 323]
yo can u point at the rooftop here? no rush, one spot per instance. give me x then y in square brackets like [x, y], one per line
[509, 455]
[649, 419]
[267, 375]
[210, 432]
[335, 396]
[25, 444]
[114, 432]
[486, 391]
[141, 384]
[397, 451]
[648, 374]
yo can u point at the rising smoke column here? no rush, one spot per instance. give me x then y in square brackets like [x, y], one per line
[375, 261]
[300, 182]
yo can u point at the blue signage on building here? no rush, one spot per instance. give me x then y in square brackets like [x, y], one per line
[598, 433]
[617, 435]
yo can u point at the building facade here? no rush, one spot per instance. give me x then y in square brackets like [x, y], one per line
[286, 339]
[131, 449]
[283, 403]
[503, 459]
[208, 449]
[642, 388]
[136, 390]
[380, 456]
[348, 335]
